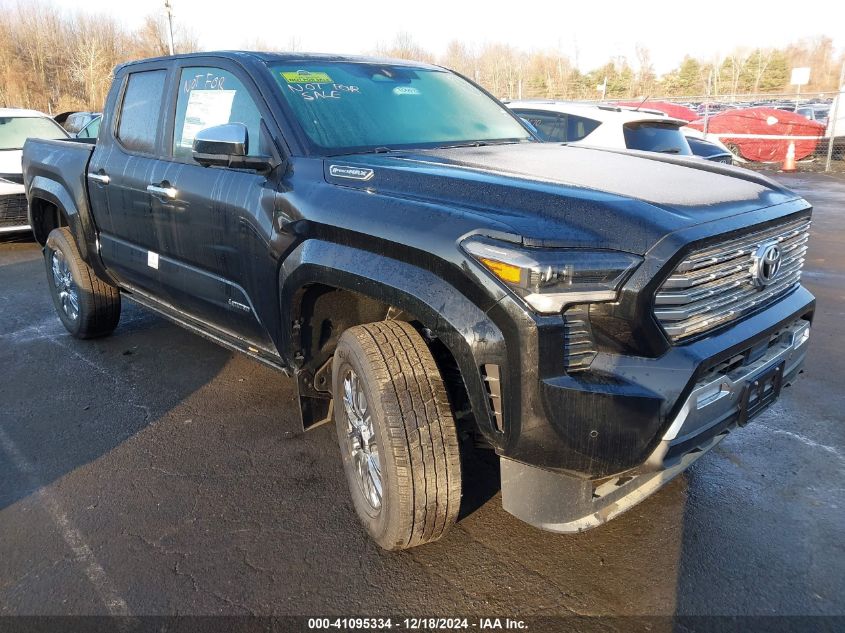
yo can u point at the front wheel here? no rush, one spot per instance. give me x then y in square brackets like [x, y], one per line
[397, 435]
[87, 306]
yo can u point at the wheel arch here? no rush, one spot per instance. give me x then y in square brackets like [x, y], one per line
[52, 206]
[51, 202]
[324, 282]
[46, 212]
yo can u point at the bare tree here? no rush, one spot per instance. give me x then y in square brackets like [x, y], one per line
[404, 46]
[734, 67]
[645, 78]
[460, 58]
[757, 64]
[90, 58]
[56, 60]
[151, 40]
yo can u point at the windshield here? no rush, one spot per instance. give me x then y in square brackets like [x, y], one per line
[15, 130]
[345, 107]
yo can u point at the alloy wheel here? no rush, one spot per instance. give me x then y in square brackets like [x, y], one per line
[65, 286]
[361, 441]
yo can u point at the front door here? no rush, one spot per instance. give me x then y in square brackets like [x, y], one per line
[214, 227]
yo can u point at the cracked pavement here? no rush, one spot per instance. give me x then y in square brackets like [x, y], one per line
[153, 473]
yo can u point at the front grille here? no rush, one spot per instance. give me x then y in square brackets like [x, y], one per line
[715, 285]
[13, 210]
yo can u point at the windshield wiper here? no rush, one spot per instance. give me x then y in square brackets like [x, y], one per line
[455, 145]
[374, 150]
[671, 150]
[477, 144]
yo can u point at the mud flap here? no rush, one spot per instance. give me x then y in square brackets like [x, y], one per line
[315, 396]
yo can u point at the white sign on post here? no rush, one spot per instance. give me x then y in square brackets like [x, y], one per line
[800, 76]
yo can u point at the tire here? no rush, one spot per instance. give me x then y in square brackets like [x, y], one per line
[87, 306]
[412, 430]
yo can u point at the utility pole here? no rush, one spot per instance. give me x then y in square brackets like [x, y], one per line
[169, 10]
[833, 117]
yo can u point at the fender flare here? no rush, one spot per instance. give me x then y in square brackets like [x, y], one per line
[465, 329]
[80, 224]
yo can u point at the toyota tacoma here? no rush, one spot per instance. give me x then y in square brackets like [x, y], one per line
[434, 278]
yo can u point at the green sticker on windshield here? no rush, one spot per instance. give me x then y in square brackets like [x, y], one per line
[306, 77]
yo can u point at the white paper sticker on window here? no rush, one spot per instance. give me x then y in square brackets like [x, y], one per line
[205, 109]
[152, 260]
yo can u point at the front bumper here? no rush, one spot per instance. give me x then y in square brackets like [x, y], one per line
[610, 418]
[715, 405]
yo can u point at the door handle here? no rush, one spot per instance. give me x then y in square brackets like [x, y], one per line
[103, 179]
[162, 192]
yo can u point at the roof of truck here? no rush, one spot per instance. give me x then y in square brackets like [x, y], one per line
[283, 57]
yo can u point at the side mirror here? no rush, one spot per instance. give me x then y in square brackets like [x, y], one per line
[227, 146]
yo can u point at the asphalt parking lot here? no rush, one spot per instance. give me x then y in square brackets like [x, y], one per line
[153, 472]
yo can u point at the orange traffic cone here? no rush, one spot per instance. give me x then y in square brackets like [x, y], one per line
[789, 163]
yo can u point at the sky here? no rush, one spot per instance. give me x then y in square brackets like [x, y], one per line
[588, 32]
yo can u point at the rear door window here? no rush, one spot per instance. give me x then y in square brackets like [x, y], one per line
[557, 126]
[578, 127]
[653, 136]
[550, 126]
[141, 111]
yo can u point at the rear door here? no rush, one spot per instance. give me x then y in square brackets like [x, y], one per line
[122, 169]
[214, 232]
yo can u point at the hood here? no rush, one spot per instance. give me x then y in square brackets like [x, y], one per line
[556, 195]
[10, 161]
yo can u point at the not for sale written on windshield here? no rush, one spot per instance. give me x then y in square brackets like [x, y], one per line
[312, 86]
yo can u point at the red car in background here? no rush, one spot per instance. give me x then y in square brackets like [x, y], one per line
[764, 134]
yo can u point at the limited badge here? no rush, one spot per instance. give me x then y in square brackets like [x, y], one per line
[354, 173]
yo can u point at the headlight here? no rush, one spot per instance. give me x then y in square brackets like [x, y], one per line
[548, 279]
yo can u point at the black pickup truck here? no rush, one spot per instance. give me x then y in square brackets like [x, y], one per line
[434, 278]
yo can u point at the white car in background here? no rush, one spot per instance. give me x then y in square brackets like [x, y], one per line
[602, 125]
[17, 125]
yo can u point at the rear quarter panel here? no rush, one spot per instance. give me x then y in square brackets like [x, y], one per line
[55, 172]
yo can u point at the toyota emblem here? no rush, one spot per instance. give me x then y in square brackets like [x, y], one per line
[766, 264]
